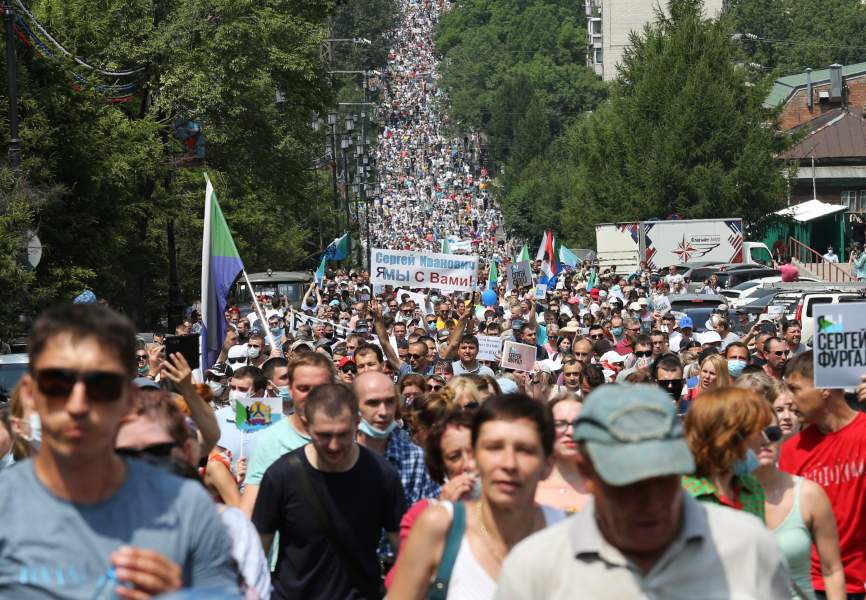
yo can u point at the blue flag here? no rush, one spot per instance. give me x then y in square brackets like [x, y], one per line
[338, 249]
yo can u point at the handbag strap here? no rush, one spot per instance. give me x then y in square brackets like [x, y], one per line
[326, 521]
[439, 587]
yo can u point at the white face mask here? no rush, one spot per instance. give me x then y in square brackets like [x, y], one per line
[253, 352]
[35, 437]
[216, 387]
[239, 396]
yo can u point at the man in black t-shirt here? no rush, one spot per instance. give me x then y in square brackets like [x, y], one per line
[359, 490]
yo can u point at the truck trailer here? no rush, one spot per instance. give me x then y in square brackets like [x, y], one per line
[676, 242]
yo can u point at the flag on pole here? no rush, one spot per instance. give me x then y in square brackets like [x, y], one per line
[493, 278]
[592, 281]
[220, 266]
[567, 257]
[320, 272]
[338, 249]
[542, 248]
[552, 261]
[524, 254]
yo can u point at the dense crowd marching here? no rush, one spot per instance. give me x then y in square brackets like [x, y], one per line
[642, 455]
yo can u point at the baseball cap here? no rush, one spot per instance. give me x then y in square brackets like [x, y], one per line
[220, 370]
[709, 337]
[346, 360]
[634, 306]
[632, 433]
[145, 383]
[361, 326]
[612, 356]
[300, 343]
[686, 323]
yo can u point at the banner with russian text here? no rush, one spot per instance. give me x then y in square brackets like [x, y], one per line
[446, 272]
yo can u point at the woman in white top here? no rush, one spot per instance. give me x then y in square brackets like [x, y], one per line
[512, 441]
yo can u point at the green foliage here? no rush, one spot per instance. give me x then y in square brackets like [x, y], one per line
[113, 169]
[683, 131]
[796, 34]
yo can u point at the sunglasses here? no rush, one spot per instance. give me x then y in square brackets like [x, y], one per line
[771, 434]
[644, 354]
[162, 450]
[141, 357]
[413, 356]
[102, 386]
[234, 361]
[349, 369]
[781, 353]
[597, 336]
[434, 387]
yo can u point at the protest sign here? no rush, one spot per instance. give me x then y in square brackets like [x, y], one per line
[520, 357]
[540, 291]
[775, 311]
[488, 347]
[461, 246]
[447, 272]
[839, 345]
[254, 414]
[519, 274]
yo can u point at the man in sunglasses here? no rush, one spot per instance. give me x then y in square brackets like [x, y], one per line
[640, 360]
[776, 351]
[80, 520]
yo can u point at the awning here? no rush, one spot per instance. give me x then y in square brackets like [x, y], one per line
[811, 210]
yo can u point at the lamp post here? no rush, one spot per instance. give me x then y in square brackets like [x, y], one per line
[14, 151]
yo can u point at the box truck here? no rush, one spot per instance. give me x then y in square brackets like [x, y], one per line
[676, 242]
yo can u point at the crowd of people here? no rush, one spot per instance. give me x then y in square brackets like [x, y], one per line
[434, 188]
[360, 444]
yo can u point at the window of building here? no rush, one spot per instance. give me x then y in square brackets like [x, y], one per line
[595, 26]
[854, 201]
[598, 56]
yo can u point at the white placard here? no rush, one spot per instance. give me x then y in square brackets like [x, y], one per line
[520, 357]
[429, 270]
[488, 347]
[418, 298]
[540, 291]
[839, 345]
[775, 311]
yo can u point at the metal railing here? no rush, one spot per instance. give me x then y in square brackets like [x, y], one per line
[812, 260]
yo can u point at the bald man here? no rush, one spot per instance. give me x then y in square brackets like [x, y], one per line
[378, 431]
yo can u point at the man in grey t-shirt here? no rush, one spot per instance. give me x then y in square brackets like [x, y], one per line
[80, 522]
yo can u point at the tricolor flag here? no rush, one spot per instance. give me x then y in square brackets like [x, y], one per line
[542, 248]
[592, 281]
[338, 249]
[220, 266]
[552, 261]
[493, 278]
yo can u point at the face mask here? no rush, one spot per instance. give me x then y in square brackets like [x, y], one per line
[376, 434]
[253, 352]
[277, 332]
[283, 391]
[432, 326]
[747, 464]
[736, 366]
[239, 396]
[674, 388]
[617, 331]
[7, 461]
[143, 370]
[35, 437]
[216, 387]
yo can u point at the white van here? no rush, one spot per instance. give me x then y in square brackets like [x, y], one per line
[810, 299]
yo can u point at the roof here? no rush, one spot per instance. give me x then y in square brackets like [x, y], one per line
[842, 137]
[785, 87]
[280, 276]
[811, 210]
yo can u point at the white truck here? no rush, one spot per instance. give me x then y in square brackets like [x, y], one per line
[676, 242]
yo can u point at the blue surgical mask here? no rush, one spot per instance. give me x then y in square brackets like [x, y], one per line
[736, 366]
[746, 465]
[34, 440]
[375, 433]
[277, 332]
[617, 331]
[283, 391]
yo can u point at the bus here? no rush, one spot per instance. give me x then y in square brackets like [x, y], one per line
[291, 284]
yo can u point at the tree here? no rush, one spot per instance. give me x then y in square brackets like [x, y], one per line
[796, 34]
[683, 132]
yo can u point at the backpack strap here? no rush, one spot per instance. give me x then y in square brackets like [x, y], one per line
[439, 587]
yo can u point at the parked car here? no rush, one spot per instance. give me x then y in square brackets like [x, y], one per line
[697, 306]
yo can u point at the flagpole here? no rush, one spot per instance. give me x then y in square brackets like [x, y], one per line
[260, 312]
[205, 274]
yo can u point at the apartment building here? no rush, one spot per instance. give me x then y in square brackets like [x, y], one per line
[609, 23]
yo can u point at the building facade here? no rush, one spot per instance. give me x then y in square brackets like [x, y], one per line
[609, 23]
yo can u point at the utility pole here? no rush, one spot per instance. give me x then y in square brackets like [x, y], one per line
[14, 151]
